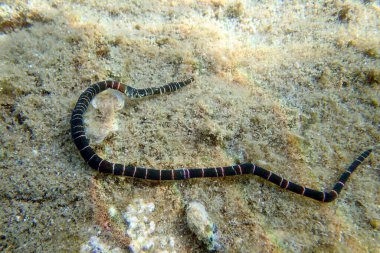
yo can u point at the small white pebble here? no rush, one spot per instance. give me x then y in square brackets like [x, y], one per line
[94, 241]
[163, 243]
[132, 219]
[140, 211]
[140, 240]
[148, 245]
[117, 250]
[131, 233]
[144, 233]
[85, 248]
[171, 241]
[152, 227]
[150, 207]
[134, 247]
[133, 226]
[131, 209]
[112, 211]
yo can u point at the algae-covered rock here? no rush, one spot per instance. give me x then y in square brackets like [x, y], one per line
[200, 224]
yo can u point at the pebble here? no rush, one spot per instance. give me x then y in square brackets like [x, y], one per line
[201, 225]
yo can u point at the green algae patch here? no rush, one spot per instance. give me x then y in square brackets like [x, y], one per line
[372, 52]
[9, 92]
[373, 77]
[375, 223]
[235, 10]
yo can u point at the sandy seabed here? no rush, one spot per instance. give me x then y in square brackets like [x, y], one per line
[290, 85]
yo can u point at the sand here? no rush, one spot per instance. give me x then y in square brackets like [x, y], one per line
[292, 86]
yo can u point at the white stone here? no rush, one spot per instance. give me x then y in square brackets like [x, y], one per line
[201, 224]
[112, 211]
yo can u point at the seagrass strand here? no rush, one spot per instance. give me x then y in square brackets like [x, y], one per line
[101, 165]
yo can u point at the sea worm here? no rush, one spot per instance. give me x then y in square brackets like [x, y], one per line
[96, 162]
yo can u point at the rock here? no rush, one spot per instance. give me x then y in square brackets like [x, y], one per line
[201, 225]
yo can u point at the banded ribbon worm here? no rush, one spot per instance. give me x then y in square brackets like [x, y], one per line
[94, 161]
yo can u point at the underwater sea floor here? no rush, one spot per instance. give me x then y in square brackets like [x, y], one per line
[292, 86]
